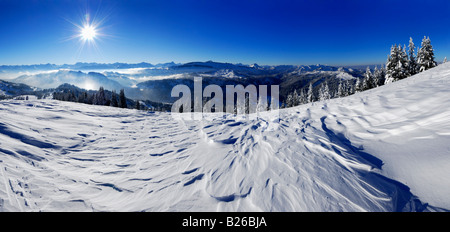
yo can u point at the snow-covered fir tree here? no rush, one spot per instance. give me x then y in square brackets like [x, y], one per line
[310, 96]
[295, 98]
[445, 60]
[425, 55]
[302, 97]
[289, 100]
[368, 82]
[412, 62]
[404, 62]
[340, 90]
[99, 97]
[379, 76]
[349, 88]
[391, 65]
[397, 65]
[376, 73]
[358, 85]
[324, 92]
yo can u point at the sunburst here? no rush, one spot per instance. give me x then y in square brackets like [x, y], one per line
[88, 32]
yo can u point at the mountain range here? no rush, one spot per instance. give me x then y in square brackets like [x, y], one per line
[145, 81]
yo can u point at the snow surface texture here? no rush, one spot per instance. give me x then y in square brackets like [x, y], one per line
[385, 149]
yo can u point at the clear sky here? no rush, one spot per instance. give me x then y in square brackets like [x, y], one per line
[245, 31]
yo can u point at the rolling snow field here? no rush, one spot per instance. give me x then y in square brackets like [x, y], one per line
[386, 149]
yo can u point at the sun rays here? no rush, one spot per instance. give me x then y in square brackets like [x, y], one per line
[88, 32]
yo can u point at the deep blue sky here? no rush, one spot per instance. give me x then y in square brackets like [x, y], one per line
[244, 31]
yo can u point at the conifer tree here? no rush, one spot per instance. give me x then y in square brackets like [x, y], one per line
[138, 105]
[289, 100]
[324, 92]
[358, 85]
[391, 65]
[404, 62]
[397, 65]
[114, 102]
[378, 75]
[425, 55]
[367, 82]
[341, 89]
[310, 96]
[302, 97]
[412, 62]
[99, 97]
[349, 88]
[122, 99]
[295, 98]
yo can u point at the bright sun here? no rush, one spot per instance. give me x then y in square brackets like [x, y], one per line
[88, 32]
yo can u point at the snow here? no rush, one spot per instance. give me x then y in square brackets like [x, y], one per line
[344, 76]
[385, 149]
[224, 73]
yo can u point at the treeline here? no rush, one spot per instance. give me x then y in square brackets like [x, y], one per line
[67, 92]
[400, 64]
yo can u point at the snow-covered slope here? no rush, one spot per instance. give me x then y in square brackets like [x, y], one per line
[381, 150]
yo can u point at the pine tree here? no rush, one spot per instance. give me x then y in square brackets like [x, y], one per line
[349, 88]
[425, 55]
[122, 99]
[310, 96]
[391, 64]
[445, 60]
[404, 62]
[324, 92]
[114, 102]
[302, 97]
[367, 82]
[397, 65]
[82, 98]
[378, 76]
[295, 98]
[289, 100]
[412, 62]
[340, 90]
[138, 105]
[99, 97]
[358, 85]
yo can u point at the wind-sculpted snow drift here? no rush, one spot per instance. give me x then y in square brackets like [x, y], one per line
[381, 150]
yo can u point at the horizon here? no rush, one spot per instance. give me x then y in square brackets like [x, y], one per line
[182, 63]
[266, 33]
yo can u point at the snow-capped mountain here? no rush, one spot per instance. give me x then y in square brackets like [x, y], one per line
[385, 149]
[89, 81]
[14, 89]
